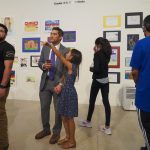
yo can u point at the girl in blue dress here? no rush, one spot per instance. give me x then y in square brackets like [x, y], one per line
[68, 100]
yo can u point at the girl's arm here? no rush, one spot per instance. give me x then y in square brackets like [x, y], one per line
[59, 55]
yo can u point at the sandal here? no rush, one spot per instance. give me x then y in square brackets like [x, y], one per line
[68, 145]
[60, 142]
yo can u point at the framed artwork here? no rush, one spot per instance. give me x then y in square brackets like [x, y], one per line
[128, 75]
[34, 60]
[112, 36]
[133, 20]
[114, 77]
[13, 78]
[131, 41]
[31, 26]
[111, 21]
[23, 62]
[9, 23]
[31, 44]
[115, 57]
[127, 61]
[49, 24]
[69, 36]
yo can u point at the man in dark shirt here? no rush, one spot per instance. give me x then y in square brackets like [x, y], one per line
[7, 53]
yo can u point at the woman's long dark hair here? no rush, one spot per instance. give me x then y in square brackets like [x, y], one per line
[76, 58]
[105, 46]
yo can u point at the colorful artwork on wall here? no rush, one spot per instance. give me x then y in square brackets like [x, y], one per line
[31, 26]
[69, 36]
[31, 44]
[49, 24]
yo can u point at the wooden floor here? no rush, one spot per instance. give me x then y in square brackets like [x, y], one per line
[24, 122]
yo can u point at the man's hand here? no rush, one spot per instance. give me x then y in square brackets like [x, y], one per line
[2, 92]
[58, 89]
[47, 65]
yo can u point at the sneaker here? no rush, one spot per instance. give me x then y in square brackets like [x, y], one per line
[85, 124]
[106, 130]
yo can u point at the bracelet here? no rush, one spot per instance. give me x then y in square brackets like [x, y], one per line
[3, 86]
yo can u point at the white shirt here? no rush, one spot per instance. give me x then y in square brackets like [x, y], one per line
[57, 47]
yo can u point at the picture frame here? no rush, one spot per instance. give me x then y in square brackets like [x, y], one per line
[31, 26]
[127, 61]
[69, 36]
[131, 41]
[111, 21]
[114, 77]
[34, 59]
[23, 62]
[112, 36]
[133, 20]
[115, 57]
[50, 24]
[9, 23]
[13, 78]
[31, 44]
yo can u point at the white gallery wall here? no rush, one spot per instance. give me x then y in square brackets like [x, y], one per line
[86, 18]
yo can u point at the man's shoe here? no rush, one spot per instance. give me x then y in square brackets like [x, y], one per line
[143, 148]
[42, 134]
[54, 139]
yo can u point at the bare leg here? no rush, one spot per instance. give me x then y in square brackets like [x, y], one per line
[71, 142]
[66, 126]
[71, 130]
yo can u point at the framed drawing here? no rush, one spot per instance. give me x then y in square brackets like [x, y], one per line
[9, 23]
[114, 77]
[69, 36]
[13, 78]
[34, 60]
[133, 20]
[115, 57]
[23, 62]
[127, 61]
[31, 26]
[131, 41]
[112, 36]
[31, 44]
[49, 24]
[111, 21]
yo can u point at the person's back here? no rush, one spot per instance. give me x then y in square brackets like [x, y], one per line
[140, 63]
[142, 52]
[70, 78]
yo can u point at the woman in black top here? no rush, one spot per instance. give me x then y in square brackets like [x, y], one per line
[100, 81]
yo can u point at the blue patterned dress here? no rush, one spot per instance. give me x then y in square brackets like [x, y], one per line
[68, 99]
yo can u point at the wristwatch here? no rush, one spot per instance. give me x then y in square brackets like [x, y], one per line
[3, 86]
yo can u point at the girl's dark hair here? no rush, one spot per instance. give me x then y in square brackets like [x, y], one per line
[105, 46]
[76, 57]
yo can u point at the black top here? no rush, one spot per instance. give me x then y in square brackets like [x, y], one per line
[100, 69]
[7, 52]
